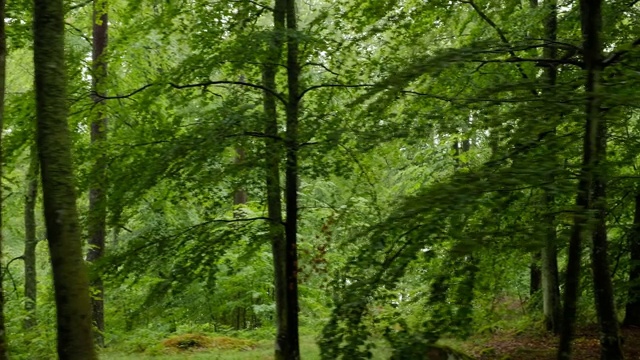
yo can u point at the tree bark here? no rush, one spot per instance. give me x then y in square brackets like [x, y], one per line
[535, 273]
[610, 344]
[291, 181]
[240, 195]
[3, 77]
[551, 306]
[594, 153]
[71, 282]
[30, 241]
[632, 313]
[550, 280]
[611, 348]
[97, 192]
[274, 195]
[591, 15]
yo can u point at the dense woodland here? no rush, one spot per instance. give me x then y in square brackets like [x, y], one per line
[336, 179]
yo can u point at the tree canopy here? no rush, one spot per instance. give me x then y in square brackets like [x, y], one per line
[387, 176]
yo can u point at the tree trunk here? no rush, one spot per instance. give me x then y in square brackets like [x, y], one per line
[291, 179]
[535, 274]
[97, 191]
[593, 155]
[274, 195]
[3, 78]
[240, 195]
[30, 241]
[551, 306]
[632, 314]
[71, 282]
[603, 288]
[550, 280]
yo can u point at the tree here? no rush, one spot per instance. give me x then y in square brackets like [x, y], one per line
[97, 192]
[550, 281]
[632, 310]
[591, 195]
[292, 144]
[30, 240]
[273, 152]
[3, 76]
[591, 16]
[71, 282]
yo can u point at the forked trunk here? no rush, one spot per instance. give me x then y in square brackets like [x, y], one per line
[592, 178]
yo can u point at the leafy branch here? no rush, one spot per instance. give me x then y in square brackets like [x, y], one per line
[194, 85]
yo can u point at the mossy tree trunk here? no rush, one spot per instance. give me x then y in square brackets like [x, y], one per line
[30, 240]
[3, 77]
[71, 282]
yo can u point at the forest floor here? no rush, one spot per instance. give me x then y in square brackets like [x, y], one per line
[506, 345]
[537, 346]
[218, 348]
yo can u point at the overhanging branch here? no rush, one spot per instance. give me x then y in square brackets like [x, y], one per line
[321, 86]
[195, 85]
[616, 56]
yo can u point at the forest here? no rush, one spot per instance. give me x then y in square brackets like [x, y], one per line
[320, 179]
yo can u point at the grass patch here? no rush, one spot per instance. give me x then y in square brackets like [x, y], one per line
[201, 346]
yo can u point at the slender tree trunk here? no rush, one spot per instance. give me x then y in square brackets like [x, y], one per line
[590, 13]
[603, 288]
[71, 282]
[274, 195]
[3, 78]
[291, 178]
[579, 228]
[30, 241]
[535, 273]
[97, 191]
[632, 314]
[551, 306]
[240, 195]
[550, 280]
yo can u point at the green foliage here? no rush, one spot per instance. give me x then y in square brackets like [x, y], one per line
[429, 138]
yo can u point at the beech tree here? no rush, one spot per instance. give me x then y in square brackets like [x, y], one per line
[97, 192]
[70, 277]
[30, 239]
